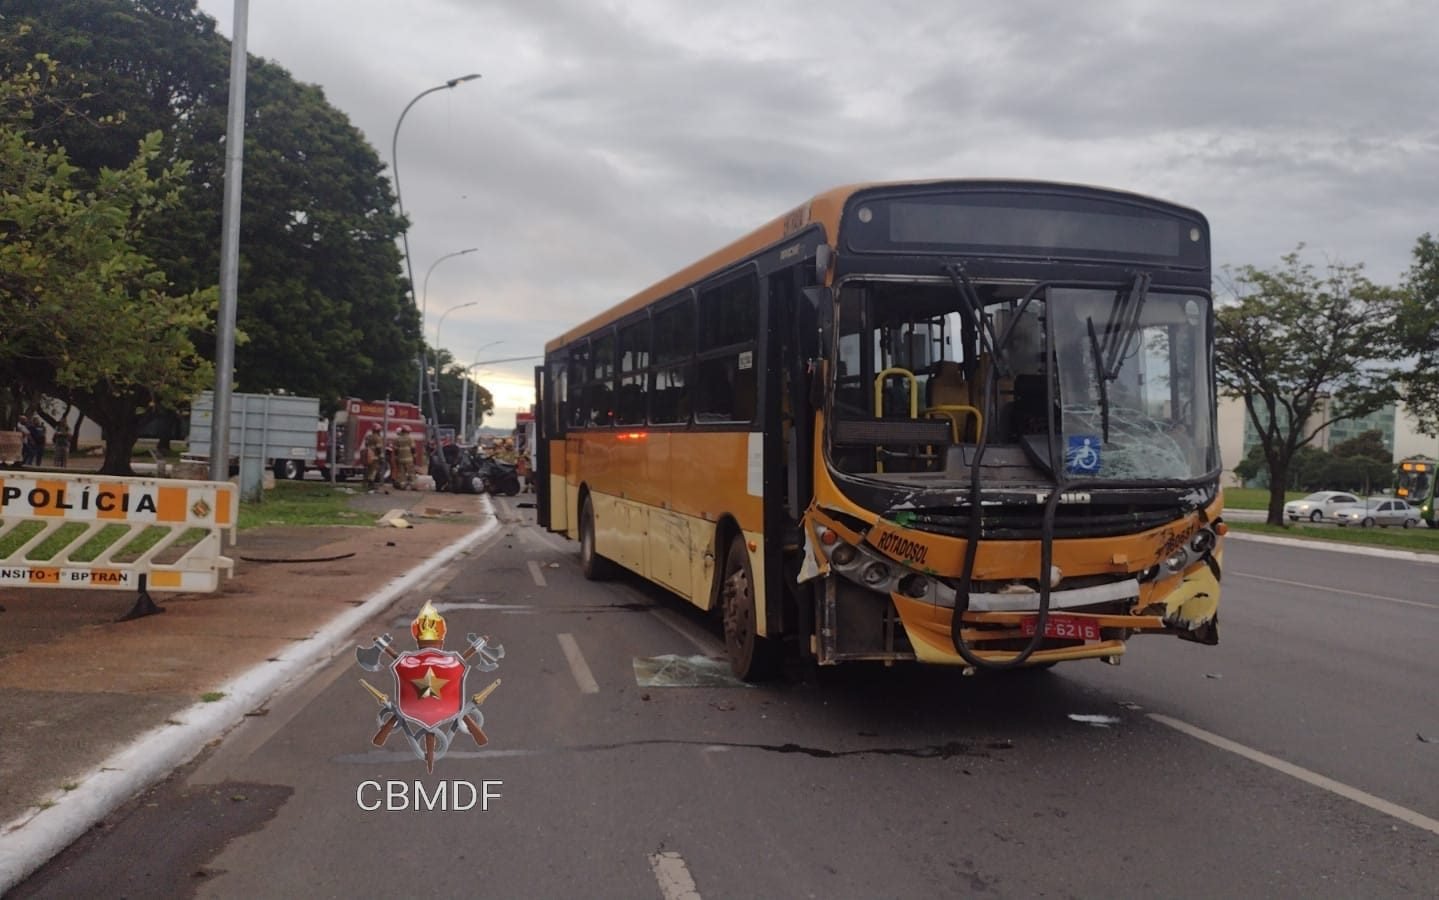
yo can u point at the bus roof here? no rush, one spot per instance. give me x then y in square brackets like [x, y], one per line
[824, 209]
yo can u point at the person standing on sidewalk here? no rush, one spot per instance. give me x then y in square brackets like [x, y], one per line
[405, 459]
[37, 440]
[62, 444]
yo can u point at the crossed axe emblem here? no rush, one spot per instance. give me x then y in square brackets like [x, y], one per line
[430, 744]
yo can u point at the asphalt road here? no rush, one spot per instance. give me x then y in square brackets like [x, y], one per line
[1299, 758]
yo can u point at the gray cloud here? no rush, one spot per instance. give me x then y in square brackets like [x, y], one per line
[610, 143]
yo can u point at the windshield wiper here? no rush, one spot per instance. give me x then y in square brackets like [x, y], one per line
[973, 311]
[1101, 377]
[1119, 333]
[1123, 324]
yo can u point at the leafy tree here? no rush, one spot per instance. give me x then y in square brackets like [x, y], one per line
[321, 297]
[1252, 465]
[84, 315]
[1368, 444]
[1293, 342]
[1418, 334]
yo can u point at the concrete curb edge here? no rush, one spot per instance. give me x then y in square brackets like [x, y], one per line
[31, 840]
[1335, 547]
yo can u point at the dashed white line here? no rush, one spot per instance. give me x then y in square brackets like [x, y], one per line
[1418, 820]
[706, 645]
[673, 876]
[536, 574]
[1320, 587]
[578, 667]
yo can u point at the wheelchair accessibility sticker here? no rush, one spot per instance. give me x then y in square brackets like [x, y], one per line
[1081, 455]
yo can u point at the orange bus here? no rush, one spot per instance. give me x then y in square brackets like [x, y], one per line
[966, 422]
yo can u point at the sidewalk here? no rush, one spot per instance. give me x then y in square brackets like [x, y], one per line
[77, 686]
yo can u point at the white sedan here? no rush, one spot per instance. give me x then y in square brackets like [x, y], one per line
[1377, 512]
[1317, 507]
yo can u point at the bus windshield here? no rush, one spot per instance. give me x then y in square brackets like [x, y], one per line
[1134, 391]
[1109, 383]
[1414, 482]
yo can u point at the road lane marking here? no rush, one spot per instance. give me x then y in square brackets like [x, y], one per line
[706, 644]
[1320, 587]
[1418, 820]
[673, 876]
[538, 539]
[536, 574]
[578, 667]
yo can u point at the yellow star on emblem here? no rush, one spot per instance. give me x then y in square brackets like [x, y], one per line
[429, 686]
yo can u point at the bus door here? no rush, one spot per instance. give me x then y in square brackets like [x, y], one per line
[787, 344]
[554, 464]
[541, 450]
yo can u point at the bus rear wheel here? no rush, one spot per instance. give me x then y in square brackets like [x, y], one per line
[751, 657]
[594, 566]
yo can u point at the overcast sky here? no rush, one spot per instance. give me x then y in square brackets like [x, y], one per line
[611, 142]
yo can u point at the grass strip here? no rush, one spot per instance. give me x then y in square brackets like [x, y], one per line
[301, 503]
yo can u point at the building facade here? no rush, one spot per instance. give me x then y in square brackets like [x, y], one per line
[1399, 429]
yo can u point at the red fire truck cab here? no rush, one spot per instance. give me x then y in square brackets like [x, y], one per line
[352, 423]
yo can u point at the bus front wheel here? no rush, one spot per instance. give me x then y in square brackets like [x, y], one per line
[594, 566]
[753, 658]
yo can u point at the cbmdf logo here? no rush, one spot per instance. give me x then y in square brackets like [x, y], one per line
[429, 699]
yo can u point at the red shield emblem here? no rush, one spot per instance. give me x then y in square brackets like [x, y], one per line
[430, 686]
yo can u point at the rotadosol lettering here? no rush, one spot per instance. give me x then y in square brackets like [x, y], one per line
[903, 547]
[103, 499]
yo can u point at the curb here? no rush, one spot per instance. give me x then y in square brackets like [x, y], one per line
[1335, 547]
[29, 841]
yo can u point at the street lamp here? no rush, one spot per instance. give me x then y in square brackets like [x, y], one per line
[425, 305]
[434, 406]
[465, 389]
[399, 202]
[442, 320]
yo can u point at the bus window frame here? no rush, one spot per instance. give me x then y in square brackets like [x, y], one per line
[749, 274]
[684, 360]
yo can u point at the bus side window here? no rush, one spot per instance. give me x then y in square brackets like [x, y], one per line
[673, 347]
[579, 374]
[601, 390]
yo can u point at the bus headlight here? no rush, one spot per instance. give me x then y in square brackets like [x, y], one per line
[914, 585]
[843, 555]
[875, 573]
[1202, 542]
[1177, 561]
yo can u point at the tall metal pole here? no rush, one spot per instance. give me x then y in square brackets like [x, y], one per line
[405, 235]
[230, 252]
[425, 306]
[434, 403]
[465, 388]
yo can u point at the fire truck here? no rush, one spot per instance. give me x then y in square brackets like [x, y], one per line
[352, 422]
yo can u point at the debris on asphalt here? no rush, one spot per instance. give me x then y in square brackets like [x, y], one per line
[1095, 720]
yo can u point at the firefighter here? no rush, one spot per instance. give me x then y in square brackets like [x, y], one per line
[405, 458]
[374, 456]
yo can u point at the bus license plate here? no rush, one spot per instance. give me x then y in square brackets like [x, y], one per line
[1058, 625]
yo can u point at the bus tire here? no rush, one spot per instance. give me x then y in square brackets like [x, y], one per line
[751, 657]
[594, 566]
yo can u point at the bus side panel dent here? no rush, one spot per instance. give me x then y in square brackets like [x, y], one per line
[670, 555]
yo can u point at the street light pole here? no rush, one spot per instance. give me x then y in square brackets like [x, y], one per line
[465, 389]
[405, 229]
[434, 406]
[425, 306]
[230, 259]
